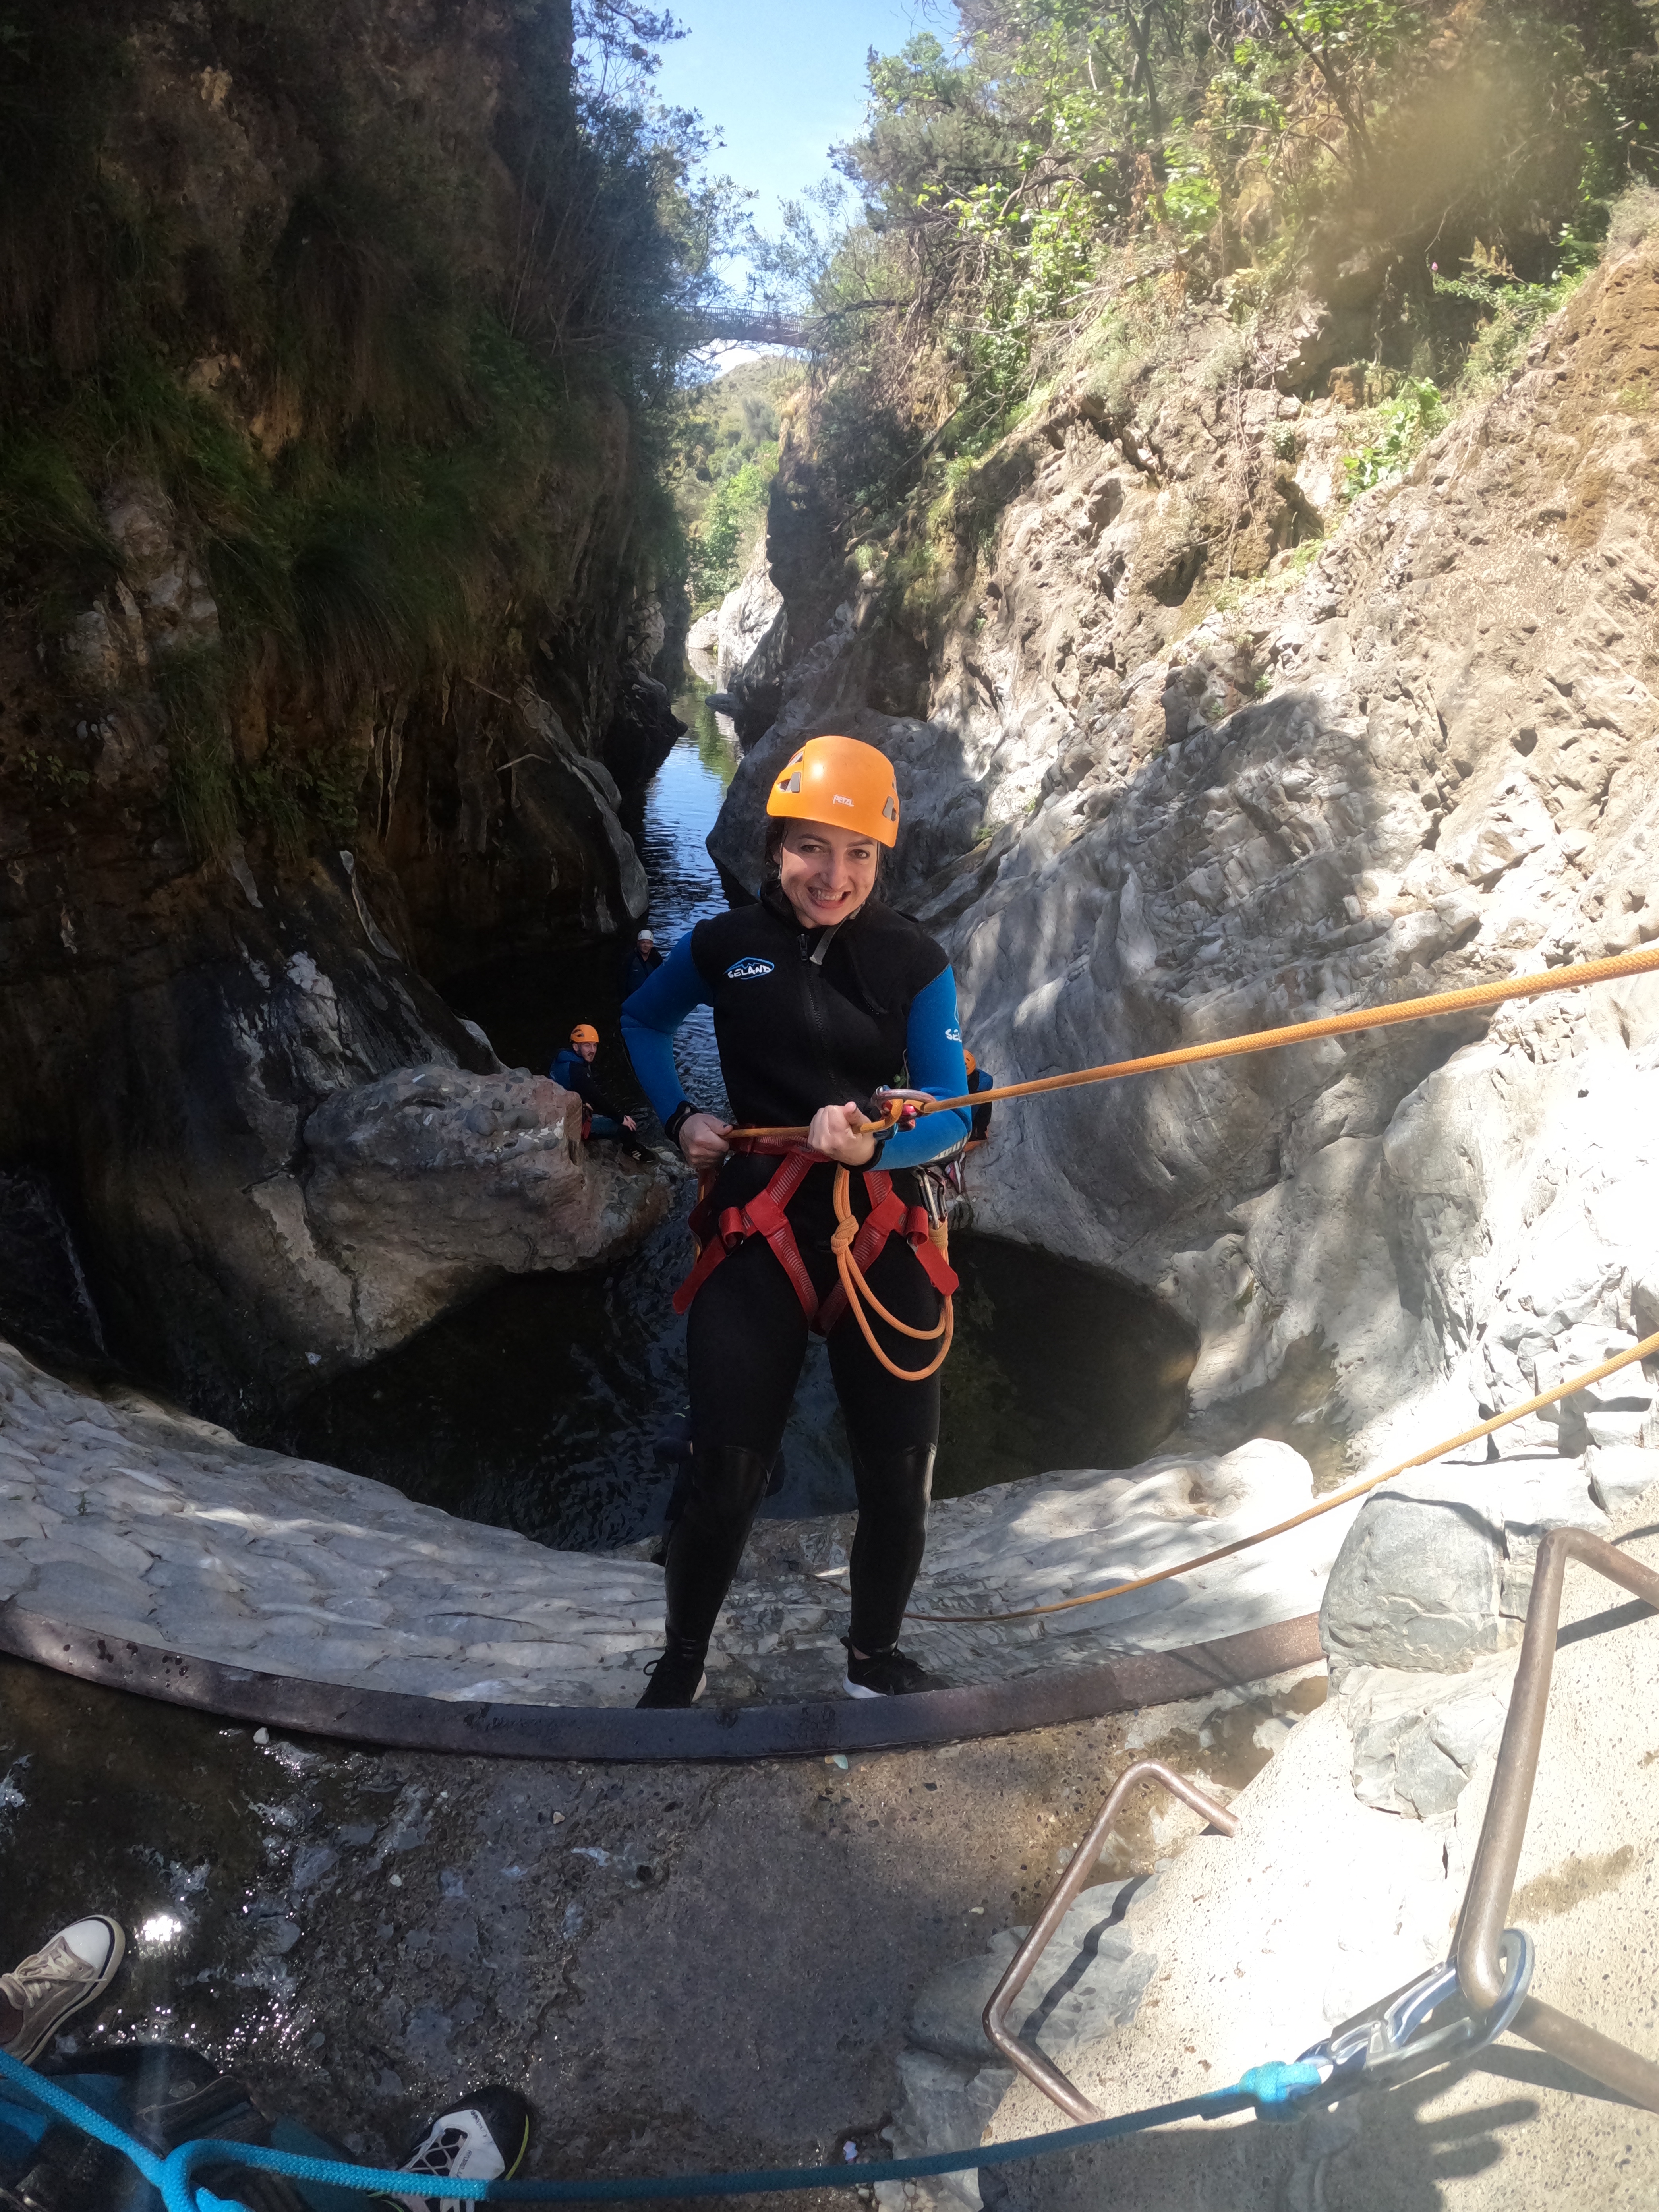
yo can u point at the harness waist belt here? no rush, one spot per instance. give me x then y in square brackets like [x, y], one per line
[766, 1215]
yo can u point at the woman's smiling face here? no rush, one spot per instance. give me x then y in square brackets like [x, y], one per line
[826, 873]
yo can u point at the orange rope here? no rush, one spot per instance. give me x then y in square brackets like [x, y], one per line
[1641, 963]
[858, 1290]
[1477, 996]
[1646, 1349]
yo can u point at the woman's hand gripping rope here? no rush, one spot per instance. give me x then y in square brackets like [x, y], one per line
[902, 1108]
[842, 1134]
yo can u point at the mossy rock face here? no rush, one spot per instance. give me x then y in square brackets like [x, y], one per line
[270, 267]
[899, 676]
[334, 548]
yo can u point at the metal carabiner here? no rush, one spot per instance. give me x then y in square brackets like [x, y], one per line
[901, 1106]
[1389, 2043]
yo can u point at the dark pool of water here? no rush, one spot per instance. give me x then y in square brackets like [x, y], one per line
[536, 1408]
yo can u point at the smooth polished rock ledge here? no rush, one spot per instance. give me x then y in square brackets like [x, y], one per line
[125, 1524]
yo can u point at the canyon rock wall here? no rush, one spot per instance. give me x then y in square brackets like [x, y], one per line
[221, 1113]
[230, 854]
[1414, 754]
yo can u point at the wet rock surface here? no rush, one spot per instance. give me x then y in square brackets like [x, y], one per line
[128, 1518]
[45, 1302]
[682, 1967]
[181, 1147]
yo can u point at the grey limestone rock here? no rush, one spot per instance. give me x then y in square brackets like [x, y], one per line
[1089, 1980]
[429, 1183]
[1619, 1473]
[946, 2103]
[751, 640]
[1437, 1569]
[1418, 1736]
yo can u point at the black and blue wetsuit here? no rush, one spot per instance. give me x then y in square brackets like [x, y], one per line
[806, 1019]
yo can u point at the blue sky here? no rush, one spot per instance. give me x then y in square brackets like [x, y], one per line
[783, 83]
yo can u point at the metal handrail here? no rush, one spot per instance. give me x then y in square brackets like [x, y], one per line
[1026, 2057]
[1491, 1879]
[1485, 1982]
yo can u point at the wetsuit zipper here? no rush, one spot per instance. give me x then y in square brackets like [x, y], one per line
[815, 987]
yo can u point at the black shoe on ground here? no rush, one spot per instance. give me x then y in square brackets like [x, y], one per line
[485, 2138]
[677, 1679]
[887, 1674]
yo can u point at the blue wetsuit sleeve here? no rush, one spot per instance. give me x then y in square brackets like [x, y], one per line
[649, 1020]
[932, 1042]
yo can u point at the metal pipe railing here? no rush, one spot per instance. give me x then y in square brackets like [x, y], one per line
[1492, 1878]
[1482, 1977]
[1026, 2057]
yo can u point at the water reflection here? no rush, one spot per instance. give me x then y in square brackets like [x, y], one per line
[536, 1408]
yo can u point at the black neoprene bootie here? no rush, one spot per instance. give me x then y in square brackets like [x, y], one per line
[727, 1485]
[887, 1674]
[677, 1679]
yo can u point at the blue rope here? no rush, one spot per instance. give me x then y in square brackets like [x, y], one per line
[1263, 2086]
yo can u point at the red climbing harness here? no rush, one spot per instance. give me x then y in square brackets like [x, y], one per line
[766, 1215]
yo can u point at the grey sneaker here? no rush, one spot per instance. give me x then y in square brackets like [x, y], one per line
[482, 2140]
[72, 1972]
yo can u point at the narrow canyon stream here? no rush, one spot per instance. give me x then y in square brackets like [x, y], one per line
[537, 1407]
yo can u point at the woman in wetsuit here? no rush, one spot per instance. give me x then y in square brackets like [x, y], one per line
[822, 994]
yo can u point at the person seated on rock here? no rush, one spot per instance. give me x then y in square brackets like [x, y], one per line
[573, 1070]
[643, 963]
[166, 2093]
[820, 993]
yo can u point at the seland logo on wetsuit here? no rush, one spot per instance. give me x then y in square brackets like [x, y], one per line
[740, 971]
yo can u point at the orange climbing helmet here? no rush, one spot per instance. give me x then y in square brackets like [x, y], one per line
[584, 1033]
[842, 781]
